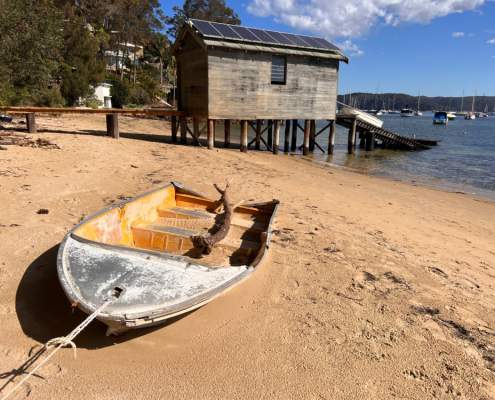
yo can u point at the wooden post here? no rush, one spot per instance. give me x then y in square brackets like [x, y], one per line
[196, 131]
[269, 139]
[370, 141]
[174, 129]
[293, 144]
[287, 136]
[183, 130]
[226, 140]
[244, 136]
[312, 138]
[113, 125]
[257, 145]
[331, 138]
[31, 123]
[306, 137]
[276, 136]
[351, 140]
[211, 134]
[363, 138]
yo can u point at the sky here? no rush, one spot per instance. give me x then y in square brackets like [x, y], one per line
[431, 47]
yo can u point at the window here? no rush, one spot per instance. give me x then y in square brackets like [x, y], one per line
[279, 70]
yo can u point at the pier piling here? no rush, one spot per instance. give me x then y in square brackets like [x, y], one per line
[276, 136]
[226, 128]
[287, 136]
[31, 123]
[293, 143]
[244, 136]
[211, 134]
[351, 140]
[331, 137]
[306, 137]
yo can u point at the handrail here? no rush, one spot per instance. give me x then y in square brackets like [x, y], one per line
[73, 110]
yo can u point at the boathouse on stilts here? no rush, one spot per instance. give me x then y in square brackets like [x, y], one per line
[268, 81]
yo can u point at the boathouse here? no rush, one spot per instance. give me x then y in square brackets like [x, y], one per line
[228, 72]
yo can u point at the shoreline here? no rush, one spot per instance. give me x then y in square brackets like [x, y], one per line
[373, 288]
[485, 195]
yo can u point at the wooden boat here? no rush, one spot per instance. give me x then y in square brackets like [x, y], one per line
[141, 251]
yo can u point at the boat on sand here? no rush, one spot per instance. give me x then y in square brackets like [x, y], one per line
[144, 252]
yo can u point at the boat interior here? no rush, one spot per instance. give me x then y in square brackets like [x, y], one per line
[165, 220]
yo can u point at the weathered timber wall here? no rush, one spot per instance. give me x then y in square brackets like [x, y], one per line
[192, 79]
[239, 87]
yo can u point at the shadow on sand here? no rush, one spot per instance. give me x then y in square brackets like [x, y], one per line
[44, 311]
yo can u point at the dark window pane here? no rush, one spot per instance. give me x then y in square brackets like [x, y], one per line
[279, 70]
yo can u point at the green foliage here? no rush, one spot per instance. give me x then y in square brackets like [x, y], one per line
[120, 92]
[82, 67]
[30, 49]
[210, 10]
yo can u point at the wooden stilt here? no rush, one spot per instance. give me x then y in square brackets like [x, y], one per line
[113, 125]
[363, 135]
[196, 131]
[276, 136]
[183, 130]
[307, 130]
[287, 136]
[257, 145]
[226, 141]
[31, 123]
[331, 138]
[370, 141]
[312, 135]
[351, 140]
[269, 138]
[293, 143]
[244, 136]
[174, 129]
[211, 134]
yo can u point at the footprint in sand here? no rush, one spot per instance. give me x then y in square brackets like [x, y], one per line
[437, 271]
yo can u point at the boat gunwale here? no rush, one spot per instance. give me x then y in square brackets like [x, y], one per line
[162, 313]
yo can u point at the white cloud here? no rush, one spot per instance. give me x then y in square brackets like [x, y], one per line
[350, 48]
[458, 34]
[491, 41]
[352, 18]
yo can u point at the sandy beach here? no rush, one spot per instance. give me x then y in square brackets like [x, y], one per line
[374, 289]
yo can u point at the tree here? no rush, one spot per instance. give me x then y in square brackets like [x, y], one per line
[210, 10]
[82, 67]
[30, 49]
[158, 52]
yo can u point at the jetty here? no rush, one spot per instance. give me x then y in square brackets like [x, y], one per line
[371, 133]
[263, 80]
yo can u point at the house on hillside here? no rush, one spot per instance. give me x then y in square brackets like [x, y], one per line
[123, 55]
[234, 72]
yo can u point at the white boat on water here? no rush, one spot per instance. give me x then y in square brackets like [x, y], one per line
[361, 115]
[406, 112]
[451, 115]
[470, 116]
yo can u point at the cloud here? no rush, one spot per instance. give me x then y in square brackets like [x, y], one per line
[491, 41]
[353, 18]
[350, 48]
[458, 34]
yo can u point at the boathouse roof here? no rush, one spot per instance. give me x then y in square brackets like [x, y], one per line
[235, 37]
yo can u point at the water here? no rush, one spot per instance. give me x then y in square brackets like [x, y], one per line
[463, 161]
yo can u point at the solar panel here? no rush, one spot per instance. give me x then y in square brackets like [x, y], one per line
[326, 44]
[245, 33]
[299, 40]
[226, 31]
[263, 35]
[281, 39]
[235, 32]
[206, 28]
[313, 42]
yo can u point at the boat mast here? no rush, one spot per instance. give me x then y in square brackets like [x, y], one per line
[419, 99]
[462, 101]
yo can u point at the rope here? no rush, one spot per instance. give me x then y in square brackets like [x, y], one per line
[59, 342]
